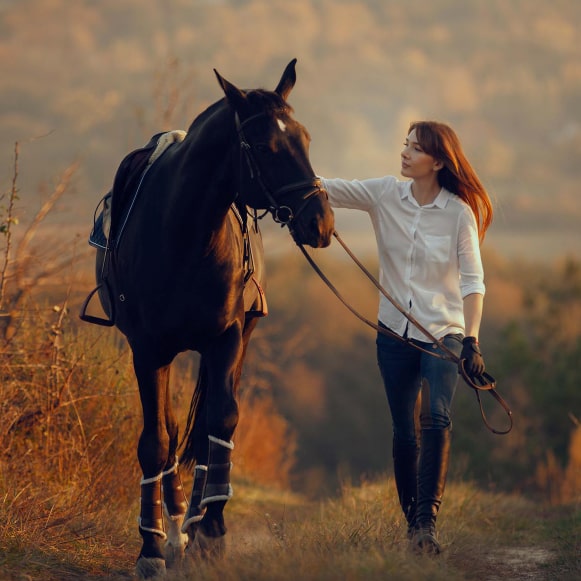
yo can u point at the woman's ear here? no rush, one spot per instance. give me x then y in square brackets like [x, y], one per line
[438, 165]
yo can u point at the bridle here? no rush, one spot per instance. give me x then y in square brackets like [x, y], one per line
[281, 213]
[483, 382]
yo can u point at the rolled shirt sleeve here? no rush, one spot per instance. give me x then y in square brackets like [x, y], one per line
[429, 256]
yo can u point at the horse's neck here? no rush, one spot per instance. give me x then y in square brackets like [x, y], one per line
[203, 172]
[208, 157]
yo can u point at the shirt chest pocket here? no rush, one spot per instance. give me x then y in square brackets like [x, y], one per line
[438, 248]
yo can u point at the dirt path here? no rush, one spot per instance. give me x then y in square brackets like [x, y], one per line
[348, 539]
[496, 556]
[520, 564]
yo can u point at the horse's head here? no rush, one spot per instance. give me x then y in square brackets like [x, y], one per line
[275, 170]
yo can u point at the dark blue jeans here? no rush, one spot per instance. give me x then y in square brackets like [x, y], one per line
[407, 371]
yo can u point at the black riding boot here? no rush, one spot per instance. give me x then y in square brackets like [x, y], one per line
[433, 468]
[405, 469]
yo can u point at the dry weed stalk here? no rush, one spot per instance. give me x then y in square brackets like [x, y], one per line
[65, 396]
[30, 267]
[6, 225]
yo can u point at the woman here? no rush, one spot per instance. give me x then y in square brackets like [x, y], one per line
[428, 231]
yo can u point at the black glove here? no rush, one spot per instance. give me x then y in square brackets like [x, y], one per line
[472, 357]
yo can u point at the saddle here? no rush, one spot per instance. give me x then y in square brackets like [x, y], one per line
[114, 211]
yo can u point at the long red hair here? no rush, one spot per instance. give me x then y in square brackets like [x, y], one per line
[457, 175]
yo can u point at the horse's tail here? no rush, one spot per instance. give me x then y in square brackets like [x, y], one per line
[189, 453]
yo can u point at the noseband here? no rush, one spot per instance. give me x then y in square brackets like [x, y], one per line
[281, 213]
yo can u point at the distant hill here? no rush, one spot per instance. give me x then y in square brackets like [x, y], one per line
[98, 78]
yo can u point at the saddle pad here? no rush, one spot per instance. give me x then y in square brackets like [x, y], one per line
[97, 237]
[113, 210]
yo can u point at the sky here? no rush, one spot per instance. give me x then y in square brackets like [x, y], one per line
[90, 80]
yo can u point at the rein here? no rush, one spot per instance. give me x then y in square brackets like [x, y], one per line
[484, 382]
[282, 214]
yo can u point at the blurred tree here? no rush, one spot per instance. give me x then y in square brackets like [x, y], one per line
[319, 363]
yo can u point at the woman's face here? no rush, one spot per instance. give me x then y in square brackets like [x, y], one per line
[415, 162]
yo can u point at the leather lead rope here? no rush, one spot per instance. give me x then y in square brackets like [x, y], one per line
[483, 382]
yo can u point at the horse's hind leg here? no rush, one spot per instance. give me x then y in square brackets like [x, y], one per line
[153, 455]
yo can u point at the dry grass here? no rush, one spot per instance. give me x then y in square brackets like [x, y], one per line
[361, 535]
[69, 483]
[69, 422]
[66, 428]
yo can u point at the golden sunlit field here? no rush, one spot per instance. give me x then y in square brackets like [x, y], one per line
[276, 535]
[69, 480]
[314, 499]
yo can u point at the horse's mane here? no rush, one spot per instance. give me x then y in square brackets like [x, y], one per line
[212, 110]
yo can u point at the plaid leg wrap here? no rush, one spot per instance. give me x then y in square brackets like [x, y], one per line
[219, 466]
[195, 510]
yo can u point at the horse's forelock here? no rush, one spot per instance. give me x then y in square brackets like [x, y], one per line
[268, 101]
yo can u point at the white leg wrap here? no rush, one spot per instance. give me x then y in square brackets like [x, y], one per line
[151, 506]
[173, 494]
[174, 468]
[192, 520]
[152, 479]
[150, 530]
[229, 445]
[227, 496]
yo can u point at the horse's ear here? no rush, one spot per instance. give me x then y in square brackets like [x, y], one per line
[234, 95]
[288, 80]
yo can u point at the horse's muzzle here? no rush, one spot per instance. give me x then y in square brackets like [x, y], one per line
[315, 224]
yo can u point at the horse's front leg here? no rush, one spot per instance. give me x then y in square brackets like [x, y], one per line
[153, 455]
[222, 365]
[175, 504]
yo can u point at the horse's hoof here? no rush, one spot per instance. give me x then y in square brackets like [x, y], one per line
[192, 551]
[150, 569]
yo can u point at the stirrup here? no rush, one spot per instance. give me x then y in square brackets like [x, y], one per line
[110, 322]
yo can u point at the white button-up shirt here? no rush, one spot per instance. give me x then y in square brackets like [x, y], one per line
[429, 256]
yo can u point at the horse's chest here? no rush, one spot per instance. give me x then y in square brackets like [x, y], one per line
[196, 304]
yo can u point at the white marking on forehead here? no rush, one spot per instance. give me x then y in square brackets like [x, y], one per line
[282, 125]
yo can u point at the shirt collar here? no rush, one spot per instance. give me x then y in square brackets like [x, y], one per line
[440, 202]
[442, 198]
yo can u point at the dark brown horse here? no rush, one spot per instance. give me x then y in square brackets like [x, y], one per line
[180, 278]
